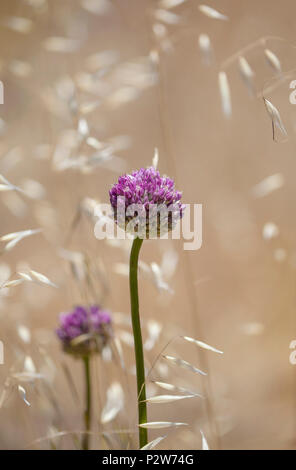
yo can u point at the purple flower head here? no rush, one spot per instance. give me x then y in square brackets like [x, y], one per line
[146, 203]
[84, 330]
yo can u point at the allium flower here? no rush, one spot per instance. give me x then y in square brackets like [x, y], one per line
[84, 330]
[146, 203]
[148, 206]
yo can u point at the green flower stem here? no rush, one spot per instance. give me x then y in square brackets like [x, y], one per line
[133, 279]
[87, 412]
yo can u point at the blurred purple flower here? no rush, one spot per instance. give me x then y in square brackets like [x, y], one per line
[84, 330]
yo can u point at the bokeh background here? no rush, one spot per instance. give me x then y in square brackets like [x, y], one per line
[91, 89]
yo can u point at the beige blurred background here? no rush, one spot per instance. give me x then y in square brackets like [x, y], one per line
[236, 293]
